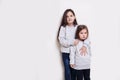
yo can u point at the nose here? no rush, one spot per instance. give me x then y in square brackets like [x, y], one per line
[83, 36]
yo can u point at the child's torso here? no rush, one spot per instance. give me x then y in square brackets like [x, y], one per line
[81, 61]
[70, 32]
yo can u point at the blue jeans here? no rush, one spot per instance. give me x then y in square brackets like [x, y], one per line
[67, 69]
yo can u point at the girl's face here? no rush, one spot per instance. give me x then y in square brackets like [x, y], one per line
[83, 34]
[70, 18]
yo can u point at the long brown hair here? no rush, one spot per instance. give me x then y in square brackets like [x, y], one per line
[64, 20]
[80, 28]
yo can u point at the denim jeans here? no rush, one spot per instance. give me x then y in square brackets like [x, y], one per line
[67, 71]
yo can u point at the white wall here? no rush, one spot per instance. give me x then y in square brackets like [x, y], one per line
[28, 48]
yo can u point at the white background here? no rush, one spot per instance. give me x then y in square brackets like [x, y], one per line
[28, 47]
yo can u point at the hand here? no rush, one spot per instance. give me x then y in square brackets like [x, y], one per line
[76, 42]
[83, 51]
[72, 65]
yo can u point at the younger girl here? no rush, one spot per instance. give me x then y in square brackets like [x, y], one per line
[78, 61]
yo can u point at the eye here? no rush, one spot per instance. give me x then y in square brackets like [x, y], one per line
[71, 15]
[85, 32]
[67, 16]
[81, 33]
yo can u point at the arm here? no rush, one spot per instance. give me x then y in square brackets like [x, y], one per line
[72, 54]
[62, 38]
[86, 43]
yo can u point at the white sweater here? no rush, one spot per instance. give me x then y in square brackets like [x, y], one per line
[66, 38]
[80, 61]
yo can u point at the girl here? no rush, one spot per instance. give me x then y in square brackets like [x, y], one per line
[78, 61]
[66, 38]
[66, 34]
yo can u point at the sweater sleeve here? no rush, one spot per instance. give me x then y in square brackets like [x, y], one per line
[72, 54]
[62, 38]
[86, 43]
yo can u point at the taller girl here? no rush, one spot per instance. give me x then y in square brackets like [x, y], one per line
[66, 37]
